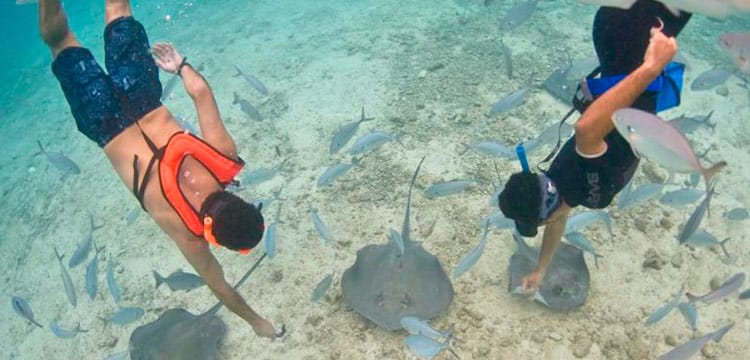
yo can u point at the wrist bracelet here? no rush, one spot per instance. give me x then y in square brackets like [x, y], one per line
[179, 68]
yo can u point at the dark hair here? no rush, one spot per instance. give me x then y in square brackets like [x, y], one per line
[520, 199]
[237, 224]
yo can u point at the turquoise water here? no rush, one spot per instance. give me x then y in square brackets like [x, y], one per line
[429, 71]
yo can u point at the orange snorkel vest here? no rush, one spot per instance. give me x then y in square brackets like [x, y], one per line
[171, 157]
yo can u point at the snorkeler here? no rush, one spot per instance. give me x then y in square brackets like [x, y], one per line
[595, 164]
[182, 185]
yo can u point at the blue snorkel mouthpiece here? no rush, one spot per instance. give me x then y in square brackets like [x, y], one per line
[521, 154]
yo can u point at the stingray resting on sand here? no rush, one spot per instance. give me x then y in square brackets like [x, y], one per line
[566, 284]
[385, 284]
[178, 334]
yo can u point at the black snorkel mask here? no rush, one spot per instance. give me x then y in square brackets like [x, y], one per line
[550, 198]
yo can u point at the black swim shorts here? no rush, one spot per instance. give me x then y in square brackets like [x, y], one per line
[105, 105]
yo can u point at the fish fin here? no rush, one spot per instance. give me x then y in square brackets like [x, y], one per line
[712, 125]
[59, 257]
[363, 118]
[239, 72]
[692, 298]
[675, 11]
[236, 98]
[708, 174]
[158, 278]
[718, 334]
[722, 243]
[466, 148]
[41, 148]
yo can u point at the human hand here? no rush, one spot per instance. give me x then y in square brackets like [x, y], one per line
[167, 57]
[264, 328]
[531, 282]
[661, 48]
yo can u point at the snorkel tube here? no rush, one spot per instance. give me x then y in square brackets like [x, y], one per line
[521, 154]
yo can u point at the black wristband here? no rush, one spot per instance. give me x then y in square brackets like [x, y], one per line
[183, 63]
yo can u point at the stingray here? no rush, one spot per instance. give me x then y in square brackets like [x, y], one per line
[385, 284]
[566, 284]
[179, 334]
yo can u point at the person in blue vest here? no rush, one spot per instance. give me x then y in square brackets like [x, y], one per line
[635, 48]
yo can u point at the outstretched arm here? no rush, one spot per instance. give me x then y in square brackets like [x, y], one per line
[212, 127]
[553, 233]
[198, 255]
[596, 121]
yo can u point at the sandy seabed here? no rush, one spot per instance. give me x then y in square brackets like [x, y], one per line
[428, 72]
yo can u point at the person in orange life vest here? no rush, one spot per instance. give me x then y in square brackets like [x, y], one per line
[182, 185]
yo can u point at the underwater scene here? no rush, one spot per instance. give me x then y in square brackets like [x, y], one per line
[375, 179]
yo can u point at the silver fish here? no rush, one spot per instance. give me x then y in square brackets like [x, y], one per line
[119, 355]
[641, 194]
[495, 197]
[169, 86]
[59, 161]
[266, 202]
[333, 172]
[416, 326]
[549, 136]
[270, 238]
[710, 79]
[133, 215]
[179, 280]
[727, 288]
[321, 289]
[507, 59]
[320, 226]
[92, 271]
[70, 291]
[371, 141]
[688, 124]
[580, 241]
[681, 197]
[737, 46]
[253, 81]
[559, 86]
[22, 308]
[696, 217]
[126, 315]
[509, 102]
[472, 257]
[498, 220]
[661, 142]
[586, 218]
[736, 214]
[492, 148]
[665, 309]
[247, 108]
[518, 14]
[84, 247]
[424, 347]
[345, 133]
[692, 347]
[260, 175]
[114, 290]
[395, 236]
[447, 188]
[538, 297]
[689, 312]
[702, 238]
[65, 333]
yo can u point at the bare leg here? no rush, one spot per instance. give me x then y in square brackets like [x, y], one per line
[116, 9]
[53, 26]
